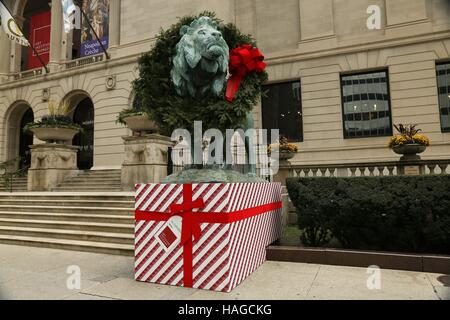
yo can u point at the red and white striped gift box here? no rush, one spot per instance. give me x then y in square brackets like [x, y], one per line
[224, 230]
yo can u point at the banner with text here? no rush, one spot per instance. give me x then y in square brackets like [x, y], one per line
[40, 27]
[97, 11]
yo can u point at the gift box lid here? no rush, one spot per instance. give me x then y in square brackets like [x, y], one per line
[217, 197]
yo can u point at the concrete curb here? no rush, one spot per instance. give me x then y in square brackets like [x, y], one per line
[364, 259]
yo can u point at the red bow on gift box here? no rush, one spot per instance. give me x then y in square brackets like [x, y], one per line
[243, 60]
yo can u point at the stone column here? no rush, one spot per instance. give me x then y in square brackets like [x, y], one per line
[50, 165]
[114, 24]
[16, 50]
[56, 35]
[145, 160]
[5, 56]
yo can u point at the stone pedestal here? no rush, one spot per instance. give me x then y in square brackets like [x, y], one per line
[146, 160]
[50, 165]
[411, 169]
[283, 172]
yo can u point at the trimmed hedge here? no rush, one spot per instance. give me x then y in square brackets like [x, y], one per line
[399, 213]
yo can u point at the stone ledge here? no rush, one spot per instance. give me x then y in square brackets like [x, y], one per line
[351, 258]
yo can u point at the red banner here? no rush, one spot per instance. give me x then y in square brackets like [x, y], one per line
[40, 25]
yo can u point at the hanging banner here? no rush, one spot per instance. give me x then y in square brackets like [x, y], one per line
[10, 27]
[69, 15]
[40, 28]
[97, 12]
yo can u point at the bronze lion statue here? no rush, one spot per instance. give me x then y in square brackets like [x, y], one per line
[200, 66]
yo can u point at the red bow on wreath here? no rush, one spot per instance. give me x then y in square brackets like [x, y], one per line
[243, 60]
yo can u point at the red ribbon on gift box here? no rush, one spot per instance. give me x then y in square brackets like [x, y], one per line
[191, 225]
[243, 60]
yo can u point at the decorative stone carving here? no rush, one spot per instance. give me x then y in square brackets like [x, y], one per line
[145, 160]
[111, 82]
[50, 165]
[45, 95]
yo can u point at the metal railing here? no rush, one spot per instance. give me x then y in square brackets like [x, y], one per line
[8, 178]
[8, 173]
[370, 169]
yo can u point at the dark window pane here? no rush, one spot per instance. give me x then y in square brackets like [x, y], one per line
[372, 116]
[137, 104]
[443, 79]
[282, 109]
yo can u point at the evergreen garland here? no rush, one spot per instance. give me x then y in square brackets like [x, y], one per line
[170, 111]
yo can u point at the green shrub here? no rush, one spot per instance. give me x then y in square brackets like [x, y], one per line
[400, 213]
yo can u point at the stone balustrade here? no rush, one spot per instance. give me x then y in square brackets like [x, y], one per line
[426, 167]
[84, 61]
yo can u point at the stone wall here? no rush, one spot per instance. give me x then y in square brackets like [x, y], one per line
[314, 41]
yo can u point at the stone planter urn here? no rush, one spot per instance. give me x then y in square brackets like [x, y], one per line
[54, 134]
[409, 151]
[286, 155]
[141, 123]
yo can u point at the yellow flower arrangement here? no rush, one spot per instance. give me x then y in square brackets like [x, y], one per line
[421, 139]
[283, 146]
[408, 135]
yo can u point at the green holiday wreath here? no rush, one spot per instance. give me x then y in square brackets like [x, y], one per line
[171, 111]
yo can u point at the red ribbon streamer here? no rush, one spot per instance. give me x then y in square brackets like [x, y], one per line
[243, 60]
[192, 222]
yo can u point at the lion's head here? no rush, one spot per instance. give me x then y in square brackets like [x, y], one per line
[201, 63]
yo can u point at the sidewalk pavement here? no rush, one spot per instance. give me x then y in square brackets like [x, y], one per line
[39, 273]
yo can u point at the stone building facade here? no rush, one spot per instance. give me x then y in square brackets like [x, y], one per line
[322, 44]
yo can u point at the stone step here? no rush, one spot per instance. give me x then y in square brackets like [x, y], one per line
[75, 210]
[72, 217]
[100, 175]
[88, 246]
[82, 188]
[69, 196]
[15, 189]
[69, 225]
[90, 184]
[24, 181]
[118, 238]
[67, 203]
[93, 180]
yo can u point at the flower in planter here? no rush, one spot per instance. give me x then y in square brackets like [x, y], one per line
[283, 146]
[408, 134]
[128, 113]
[57, 117]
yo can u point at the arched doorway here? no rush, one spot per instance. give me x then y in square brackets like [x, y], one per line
[84, 116]
[25, 140]
[17, 141]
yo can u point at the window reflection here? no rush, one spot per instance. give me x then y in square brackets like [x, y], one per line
[366, 105]
[443, 79]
